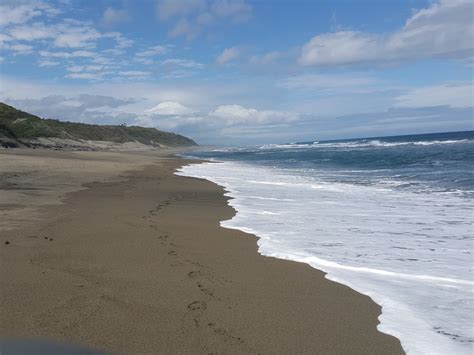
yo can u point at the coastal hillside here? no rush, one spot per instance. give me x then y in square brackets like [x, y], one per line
[22, 129]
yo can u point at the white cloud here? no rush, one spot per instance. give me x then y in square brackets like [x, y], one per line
[145, 56]
[79, 108]
[185, 63]
[87, 76]
[21, 48]
[236, 10]
[453, 95]
[225, 121]
[169, 108]
[99, 59]
[237, 114]
[190, 17]
[228, 55]
[81, 68]
[69, 34]
[169, 122]
[152, 51]
[32, 32]
[207, 119]
[114, 16]
[267, 59]
[138, 74]
[22, 36]
[343, 47]
[170, 8]
[3, 39]
[47, 63]
[121, 41]
[10, 14]
[67, 55]
[180, 68]
[445, 28]
[185, 28]
[77, 37]
[320, 81]
[169, 115]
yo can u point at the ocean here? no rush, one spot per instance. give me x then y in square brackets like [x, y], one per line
[390, 217]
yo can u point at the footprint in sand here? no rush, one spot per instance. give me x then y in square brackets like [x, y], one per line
[225, 333]
[205, 290]
[197, 305]
[193, 274]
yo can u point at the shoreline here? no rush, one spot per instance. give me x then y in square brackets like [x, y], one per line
[141, 265]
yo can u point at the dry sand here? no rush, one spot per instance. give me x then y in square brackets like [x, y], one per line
[136, 263]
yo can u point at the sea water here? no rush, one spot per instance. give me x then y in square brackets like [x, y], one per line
[390, 217]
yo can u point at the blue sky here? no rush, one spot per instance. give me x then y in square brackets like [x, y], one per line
[243, 72]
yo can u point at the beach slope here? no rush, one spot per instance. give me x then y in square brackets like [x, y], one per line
[135, 262]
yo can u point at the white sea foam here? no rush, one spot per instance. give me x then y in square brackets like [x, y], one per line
[361, 144]
[410, 252]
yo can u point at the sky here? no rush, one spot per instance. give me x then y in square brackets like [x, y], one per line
[241, 72]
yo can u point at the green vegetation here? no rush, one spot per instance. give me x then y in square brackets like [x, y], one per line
[16, 124]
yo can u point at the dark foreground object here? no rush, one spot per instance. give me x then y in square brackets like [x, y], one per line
[42, 347]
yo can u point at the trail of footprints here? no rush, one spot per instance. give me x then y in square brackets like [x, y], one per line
[197, 308]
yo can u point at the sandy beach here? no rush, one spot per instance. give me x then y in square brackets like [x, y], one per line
[115, 252]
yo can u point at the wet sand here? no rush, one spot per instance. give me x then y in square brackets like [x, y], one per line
[138, 264]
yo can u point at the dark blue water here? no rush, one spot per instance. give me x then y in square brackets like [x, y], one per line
[427, 162]
[390, 217]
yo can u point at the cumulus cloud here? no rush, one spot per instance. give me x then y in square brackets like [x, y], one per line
[237, 114]
[443, 29]
[169, 108]
[169, 115]
[228, 55]
[225, 123]
[114, 16]
[174, 109]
